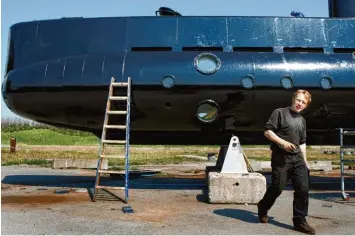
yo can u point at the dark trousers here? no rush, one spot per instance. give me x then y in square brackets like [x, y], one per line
[284, 168]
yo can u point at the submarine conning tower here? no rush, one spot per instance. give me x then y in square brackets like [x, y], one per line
[341, 8]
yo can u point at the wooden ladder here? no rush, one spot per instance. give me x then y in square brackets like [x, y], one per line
[106, 141]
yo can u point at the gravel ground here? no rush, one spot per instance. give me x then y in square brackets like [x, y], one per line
[161, 206]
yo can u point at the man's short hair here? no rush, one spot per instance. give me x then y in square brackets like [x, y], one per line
[305, 93]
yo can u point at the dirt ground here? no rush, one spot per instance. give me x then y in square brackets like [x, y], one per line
[47, 201]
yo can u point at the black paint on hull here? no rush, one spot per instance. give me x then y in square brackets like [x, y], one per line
[60, 76]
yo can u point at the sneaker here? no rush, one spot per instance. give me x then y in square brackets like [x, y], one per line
[304, 228]
[262, 215]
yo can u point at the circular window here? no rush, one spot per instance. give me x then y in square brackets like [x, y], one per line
[168, 105]
[207, 111]
[287, 82]
[207, 63]
[248, 82]
[168, 81]
[326, 82]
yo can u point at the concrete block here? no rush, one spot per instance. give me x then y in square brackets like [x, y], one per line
[321, 165]
[211, 169]
[236, 188]
[256, 165]
[78, 163]
[265, 164]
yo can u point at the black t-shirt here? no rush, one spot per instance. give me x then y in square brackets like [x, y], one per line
[288, 125]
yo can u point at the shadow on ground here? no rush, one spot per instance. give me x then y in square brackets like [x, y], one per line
[88, 182]
[334, 197]
[174, 183]
[248, 216]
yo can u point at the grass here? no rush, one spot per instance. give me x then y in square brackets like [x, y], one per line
[6, 156]
[39, 146]
[32, 135]
[47, 137]
[37, 162]
[139, 155]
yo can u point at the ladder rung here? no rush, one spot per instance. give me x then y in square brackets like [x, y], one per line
[114, 141]
[115, 126]
[349, 133]
[112, 156]
[117, 112]
[109, 187]
[118, 98]
[110, 172]
[122, 84]
[349, 161]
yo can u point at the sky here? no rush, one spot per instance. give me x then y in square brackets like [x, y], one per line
[14, 11]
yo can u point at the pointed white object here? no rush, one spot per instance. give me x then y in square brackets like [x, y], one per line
[234, 161]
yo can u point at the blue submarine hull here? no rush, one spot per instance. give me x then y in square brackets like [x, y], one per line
[60, 75]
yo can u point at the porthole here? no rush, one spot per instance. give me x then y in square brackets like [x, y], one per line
[207, 63]
[207, 111]
[248, 82]
[326, 82]
[287, 82]
[168, 81]
[168, 105]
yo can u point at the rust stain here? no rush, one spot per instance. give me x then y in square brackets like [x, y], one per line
[45, 199]
[156, 215]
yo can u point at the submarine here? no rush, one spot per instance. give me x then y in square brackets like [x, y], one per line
[195, 79]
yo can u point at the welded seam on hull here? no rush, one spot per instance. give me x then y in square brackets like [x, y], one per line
[37, 31]
[123, 63]
[277, 33]
[254, 64]
[102, 69]
[285, 63]
[325, 36]
[82, 69]
[45, 71]
[65, 64]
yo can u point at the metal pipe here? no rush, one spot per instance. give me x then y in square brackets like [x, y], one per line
[341, 162]
[128, 127]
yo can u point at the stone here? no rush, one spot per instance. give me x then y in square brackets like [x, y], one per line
[256, 165]
[320, 165]
[78, 163]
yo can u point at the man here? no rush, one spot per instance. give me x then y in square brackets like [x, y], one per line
[286, 129]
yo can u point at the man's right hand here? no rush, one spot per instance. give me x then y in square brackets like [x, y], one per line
[288, 146]
[269, 134]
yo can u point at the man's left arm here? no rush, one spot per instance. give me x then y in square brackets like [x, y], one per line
[304, 154]
[303, 143]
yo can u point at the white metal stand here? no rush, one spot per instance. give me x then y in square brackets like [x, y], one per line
[234, 161]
